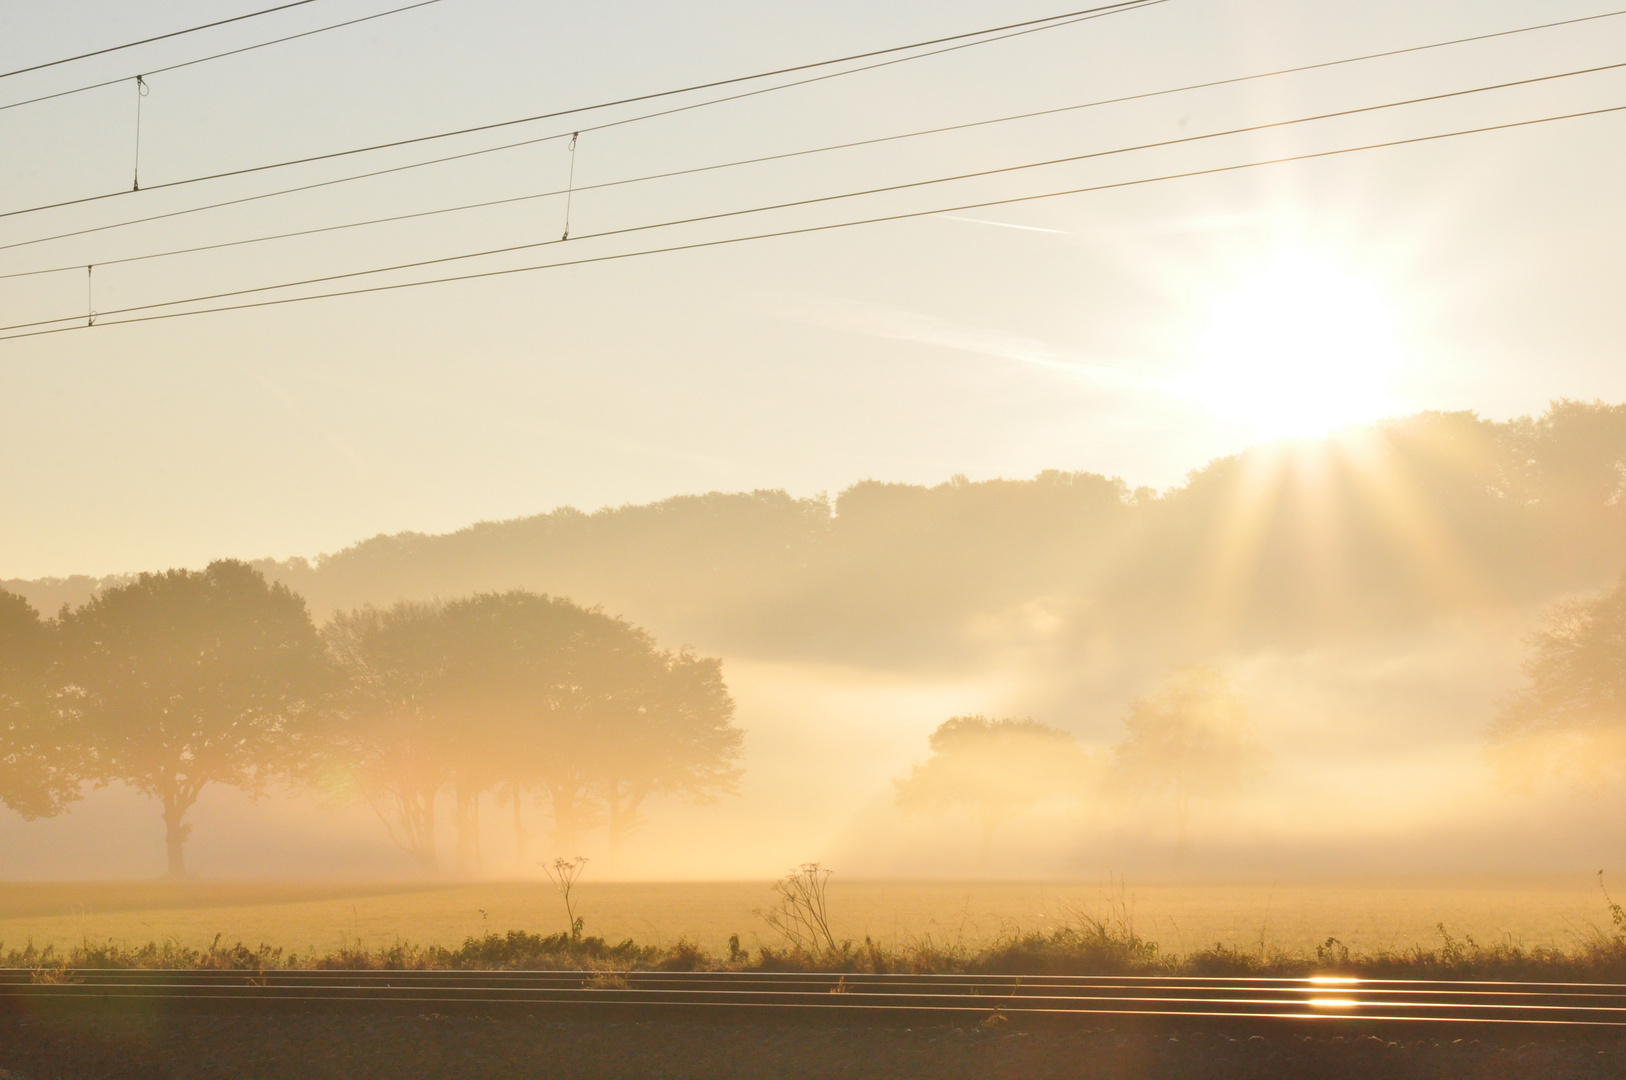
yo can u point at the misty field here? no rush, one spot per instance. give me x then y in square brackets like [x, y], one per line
[306, 917]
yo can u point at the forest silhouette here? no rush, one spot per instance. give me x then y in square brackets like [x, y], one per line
[177, 681]
[453, 668]
[1373, 529]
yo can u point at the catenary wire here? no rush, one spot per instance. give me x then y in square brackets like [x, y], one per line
[156, 37]
[797, 231]
[816, 200]
[1119, 6]
[841, 146]
[1071, 21]
[466, 154]
[217, 56]
[800, 153]
[659, 176]
[542, 139]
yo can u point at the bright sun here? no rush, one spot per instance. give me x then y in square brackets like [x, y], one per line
[1297, 350]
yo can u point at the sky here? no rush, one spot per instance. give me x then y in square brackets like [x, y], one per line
[1136, 331]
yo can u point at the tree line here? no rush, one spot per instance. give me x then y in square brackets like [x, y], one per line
[889, 573]
[174, 682]
[1191, 741]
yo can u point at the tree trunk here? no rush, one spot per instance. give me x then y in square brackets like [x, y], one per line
[421, 830]
[412, 824]
[566, 819]
[522, 839]
[177, 801]
[618, 825]
[468, 828]
[623, 806]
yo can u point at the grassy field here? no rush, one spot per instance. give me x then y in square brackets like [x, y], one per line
[322, 916]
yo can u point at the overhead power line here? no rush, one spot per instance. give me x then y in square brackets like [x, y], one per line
[1029, 24]
[1234, 80]
[805, 230]
[1185, 139]
[156, 37]
[150, 72]
[699, 244]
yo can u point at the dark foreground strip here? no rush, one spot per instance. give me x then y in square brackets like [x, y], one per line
[1326, 1004]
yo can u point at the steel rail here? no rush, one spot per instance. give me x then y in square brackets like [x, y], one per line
[1322, 1002]
[1034, 983]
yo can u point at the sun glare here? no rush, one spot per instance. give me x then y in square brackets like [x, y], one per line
[1297, 350]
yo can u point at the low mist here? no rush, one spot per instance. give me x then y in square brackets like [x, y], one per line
[1320, 658]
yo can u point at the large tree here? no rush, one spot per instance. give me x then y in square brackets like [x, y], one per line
[511, 684]
[1570, 718]
[1192, 740]
[587, 708]
[668, 730]
[996, 768]
[41, 764]
[514, 693]
[446, 696]
[184, 679]
[386, 737]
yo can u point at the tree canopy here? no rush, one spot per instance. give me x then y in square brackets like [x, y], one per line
[1570, 718]
[515, 693]
[996, 768]
[1192, 740]
[385, 735]
[41, 764]
[172, 682]
[180, 680]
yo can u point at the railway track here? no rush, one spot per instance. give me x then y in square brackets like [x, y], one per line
[1322, 1003]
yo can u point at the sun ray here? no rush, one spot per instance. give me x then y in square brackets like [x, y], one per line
[1395, 500]
[1234, 561]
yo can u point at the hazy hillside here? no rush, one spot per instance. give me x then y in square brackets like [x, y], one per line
[1368, 595]
[1372, 530]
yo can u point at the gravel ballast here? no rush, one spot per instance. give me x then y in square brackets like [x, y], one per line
[313, 1047]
